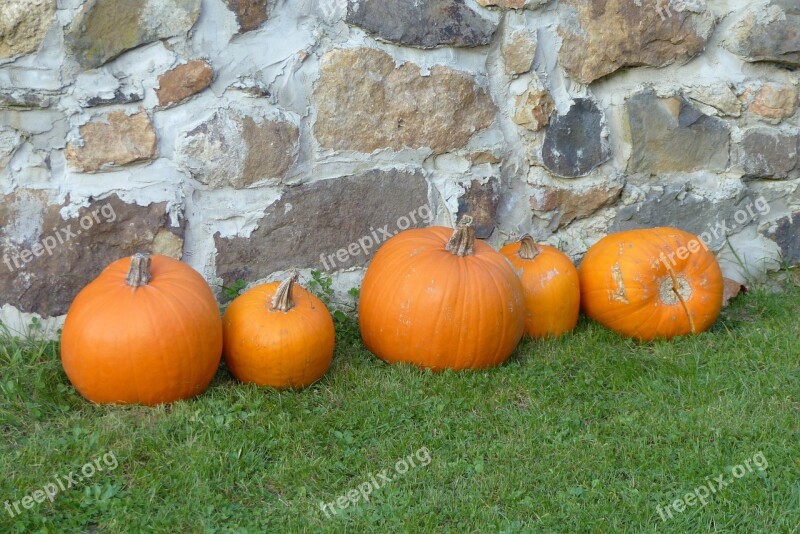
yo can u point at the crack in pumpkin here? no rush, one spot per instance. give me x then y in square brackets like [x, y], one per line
[676, 289]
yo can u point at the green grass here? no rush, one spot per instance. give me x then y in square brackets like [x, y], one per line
[588, 433]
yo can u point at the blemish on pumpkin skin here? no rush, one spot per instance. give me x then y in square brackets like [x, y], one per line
[619, 294]
[547, 277]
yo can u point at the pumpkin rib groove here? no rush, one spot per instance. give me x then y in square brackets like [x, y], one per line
[460, 280]
[180, 313]
[202, 376]
[504, 315]
[448, 302]
[483, 302]
[152, 296]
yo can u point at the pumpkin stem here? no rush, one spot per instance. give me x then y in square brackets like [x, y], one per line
[282, 301]
[463, 241]
[527, 248]
[139, 273]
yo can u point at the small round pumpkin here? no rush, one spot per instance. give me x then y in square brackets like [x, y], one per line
[278, 335]
[552, 288]
[147, 330]
[654, 283]
[439, 299]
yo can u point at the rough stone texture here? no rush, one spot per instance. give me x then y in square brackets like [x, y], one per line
[104, 87]
[365, 103]
[768, 153]
[768, 33]
[183, 81]
[774, 101]
[117, 139]
[250, 14]
[572, 203]
[518, 51]
[480, 202]
[482, 157]
[55, 265]
[671, 135]
[574, 144]
[232, 149]
[679, 206]
[106, 28]
[23, 25]
[423, 23]
[721, 97]
[512, 4]
[602, 36]
[119, 97]
[786, 233]
[534, 108]
[505, 4]
[24, 98]
[9, 142]
[315, 221]
[168, 243]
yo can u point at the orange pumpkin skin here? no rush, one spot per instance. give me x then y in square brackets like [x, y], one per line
[267, 346]
[552, 288]
[423, 304]
[153, 344]
[655, 283]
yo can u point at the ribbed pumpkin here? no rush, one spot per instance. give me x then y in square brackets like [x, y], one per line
[278, 335]
[147, 330]
[552, 288]
[655, 283]
[439, 299]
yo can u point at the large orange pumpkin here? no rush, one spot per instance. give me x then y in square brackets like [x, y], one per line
[552, 289]
[278, 335]
[146, 331]
[439, 299]
[647, 284]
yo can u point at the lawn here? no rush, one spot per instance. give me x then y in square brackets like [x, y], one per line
[587, 433]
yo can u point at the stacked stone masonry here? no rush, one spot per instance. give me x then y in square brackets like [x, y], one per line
[249, 137]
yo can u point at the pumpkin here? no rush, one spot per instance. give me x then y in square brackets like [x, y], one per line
[147, 330]
[278, 335]
[647, 284]
[551, 285]
[439, 299]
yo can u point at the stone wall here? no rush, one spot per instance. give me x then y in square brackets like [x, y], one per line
[251, 136]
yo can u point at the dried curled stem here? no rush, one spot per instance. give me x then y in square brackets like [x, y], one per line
[527, 248]
[462, 243]
[282, 301]
[139, 273]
